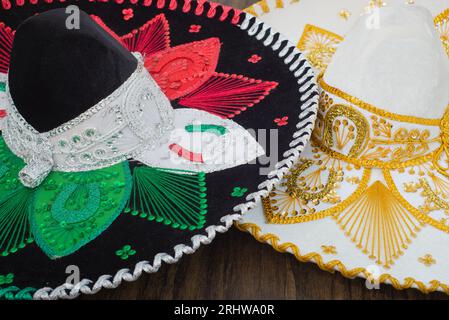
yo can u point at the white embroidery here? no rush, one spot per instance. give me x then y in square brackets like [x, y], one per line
[134, 118]
[236, 146]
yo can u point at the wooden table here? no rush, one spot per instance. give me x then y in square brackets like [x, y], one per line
[235, 266]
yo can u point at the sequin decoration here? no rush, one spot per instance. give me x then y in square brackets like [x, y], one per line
[71, 209]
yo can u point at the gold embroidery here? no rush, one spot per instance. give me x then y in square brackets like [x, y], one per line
[344, 14]
[375, 163]
[329, 249]
[379, 225]
[418, 214]
[274, 216]
[319, 45]
[427, 260]
[443, 153]
[344, 132]
[336, 265]
[442, 24]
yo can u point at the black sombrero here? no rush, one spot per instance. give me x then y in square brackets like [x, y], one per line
[132, 132]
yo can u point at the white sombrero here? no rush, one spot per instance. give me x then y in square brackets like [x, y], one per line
[370, 196]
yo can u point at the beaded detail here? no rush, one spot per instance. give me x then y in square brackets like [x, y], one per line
[132, 119]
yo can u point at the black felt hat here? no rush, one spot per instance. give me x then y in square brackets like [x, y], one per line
[133, 132]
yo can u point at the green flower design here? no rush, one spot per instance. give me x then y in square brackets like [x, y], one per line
[2, 87]
[238, 192]
[125, 252]
[7, 279]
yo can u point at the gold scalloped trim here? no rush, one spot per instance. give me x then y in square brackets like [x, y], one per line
[337, 265]
[266, 8]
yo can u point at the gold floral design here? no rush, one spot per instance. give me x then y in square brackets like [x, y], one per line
[329, 249]
[427, 260]
[319, 45]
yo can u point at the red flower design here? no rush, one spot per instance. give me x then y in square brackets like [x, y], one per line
[281, 121]
[195, 28]
[254, 58]
[186, 73]
[3, 113]
[128, 14]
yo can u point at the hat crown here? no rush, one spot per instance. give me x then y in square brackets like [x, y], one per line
[394, 60]
[57, 73]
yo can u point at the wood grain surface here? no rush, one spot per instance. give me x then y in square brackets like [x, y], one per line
[235, 266]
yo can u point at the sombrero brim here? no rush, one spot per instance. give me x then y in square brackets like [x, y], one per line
[155, 214]
[324, 210]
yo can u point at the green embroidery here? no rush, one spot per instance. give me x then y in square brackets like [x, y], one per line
[15, 293]
[125, 252]
[7, 279]
[212, 128]
[174, 197]
[15, 232]
[76, 203]
[72, 209]
[238, 192]
[2, 87]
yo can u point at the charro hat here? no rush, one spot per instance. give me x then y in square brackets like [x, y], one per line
[369, 196]
[133, 132]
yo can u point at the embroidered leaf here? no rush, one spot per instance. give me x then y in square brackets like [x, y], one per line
[72, 209]
[15, 231]
[6, 38]
[150, 38]
[227, 95]
[174, 197]
[182, 69]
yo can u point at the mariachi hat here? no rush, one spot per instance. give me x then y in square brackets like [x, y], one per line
[129, 135]
[370, 195]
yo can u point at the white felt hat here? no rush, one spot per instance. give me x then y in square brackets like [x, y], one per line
[370, 196]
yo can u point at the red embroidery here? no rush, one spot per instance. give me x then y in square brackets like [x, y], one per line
[150, 38]
[184, 68]
[186, 154]
[281, 121]
[227, 95]
[3, 113]
[188, 71]
[128, 14]
[6, 39]
[195, 28]
[254, 58]
[187, 6]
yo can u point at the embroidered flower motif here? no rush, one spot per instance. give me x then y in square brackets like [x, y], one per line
[125, 252]
[195, 28]
[3, 113]
[329, 249]
[2, 87]
[427, 260]
[238, 192]
[345, 14]
[254, 58]
[128, 14]
[281, 121]
[195, 84]
[7, 279]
